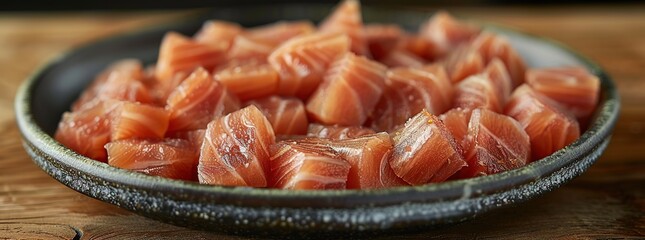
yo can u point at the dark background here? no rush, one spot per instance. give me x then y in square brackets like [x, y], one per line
[41, 5]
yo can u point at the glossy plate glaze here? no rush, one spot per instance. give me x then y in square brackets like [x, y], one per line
[49, 92]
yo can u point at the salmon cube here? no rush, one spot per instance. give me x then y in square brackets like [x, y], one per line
[300, 167]
[382, 38]
[349, 93]
[478, 91]
[286, 115]
[248, 80]
[302, 61]
[574, 88]
[497, 73]
[423, 148]
[218, 33]
[337, 132]
[179, 53]
[550, 128]
[120, 81]
[492, 46]
[407, 92]
[87, 130]
[463, 62]
[169, 158]
[347, 19]
[402, 58]
[446, 33]
[497, 143]
[197, 101]
[456, 121]
[134, 120]
[245, 48]
[235, 151]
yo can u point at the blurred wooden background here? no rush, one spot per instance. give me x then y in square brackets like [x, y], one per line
[608, 201]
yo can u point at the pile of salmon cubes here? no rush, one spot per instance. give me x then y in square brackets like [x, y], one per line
[341, 105]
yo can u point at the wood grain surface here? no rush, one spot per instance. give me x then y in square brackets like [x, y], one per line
[607, 202]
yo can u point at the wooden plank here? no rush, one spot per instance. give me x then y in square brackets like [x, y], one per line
[608, 201]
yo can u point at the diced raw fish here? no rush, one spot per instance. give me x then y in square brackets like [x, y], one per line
[235, 151]
[296, 166]
[446, 33]
[456, 121]
[245, 48]
[497, 143]
[423, 148]
[120, 81]
[248, 80]
[496, 72]
[575, 88]
[347, 19]
[550, 128]
[134, 120]
[87, 130]
[218, 33]
[337, 132]
[286, 115]
[402, 58]
[407, 92]
[463, 62]
[419, 46]
[369, 159]
[197, 101]
[279, 32]
[169, 158]
[179, 53]
[382, 38]
[302, 61]
[352, 87]
[194, 137]
[477, 91]
[492, 46]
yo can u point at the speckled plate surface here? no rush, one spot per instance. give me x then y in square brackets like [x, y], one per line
[49, 92]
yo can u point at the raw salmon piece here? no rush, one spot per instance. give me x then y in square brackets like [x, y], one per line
[134, 120]
[286, 115]
[550, 128]
[179, 53]
[496, 72]
[302, 61]
[446, 33]
[350, 91]
[169, 158]
[456, 121]
[498, 143]
[419, 46]
[194, 137]
[492, 46]
[382, 38]
[248, 80]
[368, 156]
[235, 151]
[423, 148]
[347, 19]
[218, 33]
[120, 81]
[402, 58]
[407, 92]
[277, 33]
[478, 91]
[463, 62]
[197, 101]
[296, 166]
[573, 87]
[245, 48]
[86, 131]
[337, 132]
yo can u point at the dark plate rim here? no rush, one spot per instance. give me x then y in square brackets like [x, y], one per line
[599, 129]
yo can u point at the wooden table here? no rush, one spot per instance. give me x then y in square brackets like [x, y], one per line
[607, 201]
